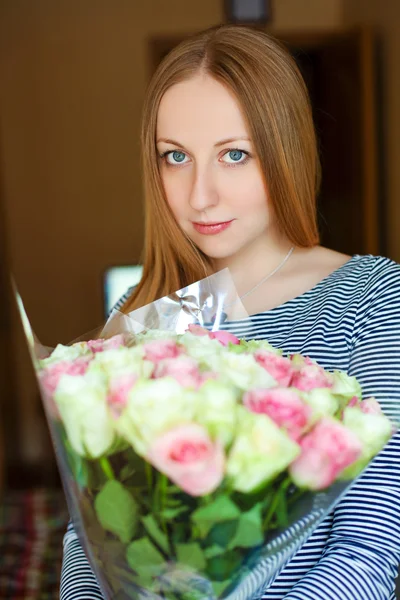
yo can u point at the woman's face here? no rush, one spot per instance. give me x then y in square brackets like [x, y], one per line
[209, 171]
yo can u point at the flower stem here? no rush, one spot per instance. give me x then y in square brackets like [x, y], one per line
[149, 476]
[206, 500]
[163, 490]
[276, 498]
[163, 485]
[106, 467]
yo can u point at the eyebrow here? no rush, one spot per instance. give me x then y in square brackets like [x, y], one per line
[220, 143]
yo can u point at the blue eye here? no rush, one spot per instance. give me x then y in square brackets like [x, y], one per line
[175, 157]
[236, 156]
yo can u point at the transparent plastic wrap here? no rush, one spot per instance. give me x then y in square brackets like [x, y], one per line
[161, 453]
[209, 302]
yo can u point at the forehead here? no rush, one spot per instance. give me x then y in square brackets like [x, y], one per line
[200, 109]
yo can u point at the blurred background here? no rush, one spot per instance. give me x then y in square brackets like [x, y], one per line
[72, 80]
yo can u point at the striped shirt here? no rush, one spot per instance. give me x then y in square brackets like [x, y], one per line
[349, 321]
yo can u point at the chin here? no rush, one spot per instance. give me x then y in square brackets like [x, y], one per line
[217, 251]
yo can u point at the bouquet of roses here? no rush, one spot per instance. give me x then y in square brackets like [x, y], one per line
[196, 463]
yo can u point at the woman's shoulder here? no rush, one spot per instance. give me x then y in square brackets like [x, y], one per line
[379, 277]
[347, 283]
[364, 290]
[365, 272]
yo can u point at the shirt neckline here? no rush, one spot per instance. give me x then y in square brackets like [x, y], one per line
[307, 293]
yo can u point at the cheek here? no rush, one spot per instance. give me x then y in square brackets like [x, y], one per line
[247, 192]
[176, 192]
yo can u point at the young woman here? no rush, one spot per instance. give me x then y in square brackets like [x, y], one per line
[231, 175]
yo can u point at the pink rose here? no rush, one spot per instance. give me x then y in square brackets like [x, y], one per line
[189, 458]
[299, 361]
[278, 367]
[283, 406]
[370, 406]
[184, 369]
[52, 374]
[197, 329]
[95, 345]
[224, 337]
[116, 341]
[308, 375]
[161, 349]
[101, 345]
[326, 451]
[354, 401]
[118, 392]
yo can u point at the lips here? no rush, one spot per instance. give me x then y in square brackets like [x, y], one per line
[212, 228]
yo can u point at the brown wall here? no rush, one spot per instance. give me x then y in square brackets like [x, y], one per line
[72, 82]
[384, 17]
[292, 15]
[72, 78]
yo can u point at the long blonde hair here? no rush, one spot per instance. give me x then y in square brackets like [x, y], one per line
[274, 99]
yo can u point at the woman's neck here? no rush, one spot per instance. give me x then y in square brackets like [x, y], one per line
[255, 262]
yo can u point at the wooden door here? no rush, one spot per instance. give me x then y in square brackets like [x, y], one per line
[340, 73]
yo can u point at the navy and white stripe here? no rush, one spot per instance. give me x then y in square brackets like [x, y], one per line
[348, 321]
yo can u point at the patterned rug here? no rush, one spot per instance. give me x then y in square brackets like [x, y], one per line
[32, 525]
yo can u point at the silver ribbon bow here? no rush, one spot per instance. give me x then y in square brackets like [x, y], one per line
[189, 305]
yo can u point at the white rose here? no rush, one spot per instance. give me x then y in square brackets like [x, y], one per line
[322, 401]
[217, 410]
[155, 334]
[202, 348]
[82, 402]
[254, 345]
[260, 452]
[345, 386]
[122, 360]
[243, 371]
[154, 406]
[68, 353]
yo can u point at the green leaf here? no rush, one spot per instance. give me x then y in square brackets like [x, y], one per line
[142, 553]
[191, 555]
[236, 348]
[174, 489]
[214, 550]
[220, 586]
[173, 502]
[192, 595]
[117, 511]
[222, 509]
[249, 532]
[281, 510]
[145, 560]
[172, 513]
[224, 566]
[180, 532]
[221, 534]
[155, 532]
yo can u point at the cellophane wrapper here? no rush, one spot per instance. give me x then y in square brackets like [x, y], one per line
[146, 556]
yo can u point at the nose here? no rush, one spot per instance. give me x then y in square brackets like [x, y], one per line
[203, 193]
